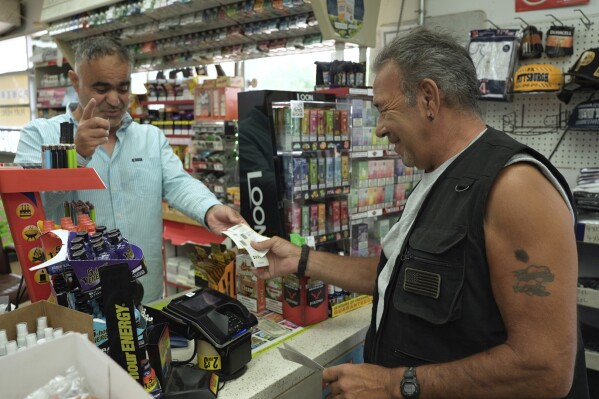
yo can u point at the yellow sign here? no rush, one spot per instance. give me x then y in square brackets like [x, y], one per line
[31, 233]
[36, 255]
[41, 276]
[25, 210]
[209, 362]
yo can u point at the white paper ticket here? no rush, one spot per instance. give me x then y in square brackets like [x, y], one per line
[242, 235]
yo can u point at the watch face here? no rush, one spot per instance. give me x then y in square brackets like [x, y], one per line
[409, 388]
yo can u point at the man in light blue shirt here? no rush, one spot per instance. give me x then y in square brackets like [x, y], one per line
[135, 162]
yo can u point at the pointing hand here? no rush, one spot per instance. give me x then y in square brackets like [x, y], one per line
[92, 131]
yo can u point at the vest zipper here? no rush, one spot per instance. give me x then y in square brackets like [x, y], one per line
[410, 256]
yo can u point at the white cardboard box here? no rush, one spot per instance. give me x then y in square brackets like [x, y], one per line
[23, 372]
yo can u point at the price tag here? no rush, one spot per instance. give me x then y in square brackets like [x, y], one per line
[209, 362]
[297, 109]
[591, 233]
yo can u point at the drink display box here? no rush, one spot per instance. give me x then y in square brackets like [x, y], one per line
[55, 244]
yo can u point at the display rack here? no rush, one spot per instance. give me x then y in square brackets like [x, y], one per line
[197, 31]
[20, 192]
[53, 89]
[313, 144]
[589, 298]
[214, 156]
[380, 183]
[539, 119]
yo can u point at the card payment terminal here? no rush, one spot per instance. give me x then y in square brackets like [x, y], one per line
[212, 315]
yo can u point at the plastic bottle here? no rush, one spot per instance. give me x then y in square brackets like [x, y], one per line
[47, 225]
[85, 237]
[331, 298]
[81, 254]
[95, 236]
[22, 334]
[3, 342]
[121, 247]
[101, 250]
[76, 248]
[102, 230]
[339, 295]
[42, 323]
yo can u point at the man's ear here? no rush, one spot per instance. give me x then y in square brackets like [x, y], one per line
[74, 78]
[430, 96]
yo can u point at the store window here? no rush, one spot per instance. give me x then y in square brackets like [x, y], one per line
[17, 48]
[296, 72]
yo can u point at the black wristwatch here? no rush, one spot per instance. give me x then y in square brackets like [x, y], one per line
[409, 385]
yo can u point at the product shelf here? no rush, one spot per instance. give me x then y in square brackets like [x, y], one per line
[168, 102]
[588, 297]
[592, 359]
[588, 232]
[338, 143]
[35, 180]
[349, 305]
[359, 217]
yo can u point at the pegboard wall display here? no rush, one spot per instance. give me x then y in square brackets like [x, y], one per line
[539, 120]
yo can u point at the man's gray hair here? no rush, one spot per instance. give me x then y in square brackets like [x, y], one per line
[99, 46]
[423, 54]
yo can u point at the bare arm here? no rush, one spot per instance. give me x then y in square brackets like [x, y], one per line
[532, 258]
[356, 274]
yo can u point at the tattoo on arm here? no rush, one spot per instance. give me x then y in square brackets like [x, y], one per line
[531, 280]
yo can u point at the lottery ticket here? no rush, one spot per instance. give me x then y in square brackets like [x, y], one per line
[290, 353]
[242, 235]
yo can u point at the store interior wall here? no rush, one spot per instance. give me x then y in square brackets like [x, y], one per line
[502, 12]
[475, 15]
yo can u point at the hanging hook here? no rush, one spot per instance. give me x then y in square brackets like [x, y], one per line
[553, 16]
[525, 23]
[491, 22]
[585, 20]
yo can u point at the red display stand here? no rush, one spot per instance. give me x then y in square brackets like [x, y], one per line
[19, 190]
[182, 233]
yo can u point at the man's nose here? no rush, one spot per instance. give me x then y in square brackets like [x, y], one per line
[112, 98]
[381, 131]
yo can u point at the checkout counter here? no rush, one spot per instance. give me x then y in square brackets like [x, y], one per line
[269, 376]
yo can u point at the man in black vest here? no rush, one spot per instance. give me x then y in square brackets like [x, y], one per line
[475, 289]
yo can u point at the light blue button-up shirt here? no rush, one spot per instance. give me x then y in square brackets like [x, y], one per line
[141, 172]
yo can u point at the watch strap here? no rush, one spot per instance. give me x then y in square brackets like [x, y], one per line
[303, 262]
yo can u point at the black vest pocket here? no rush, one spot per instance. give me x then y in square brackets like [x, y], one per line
[431, 277]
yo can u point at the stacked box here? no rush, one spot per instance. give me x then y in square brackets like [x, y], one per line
[313, 219]
[329, 124]
[322, 215]
[250, 289]
[330, 166]
[360, 239]
[313, 173]
[320, 125]
[274, 294]
[321, 160]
